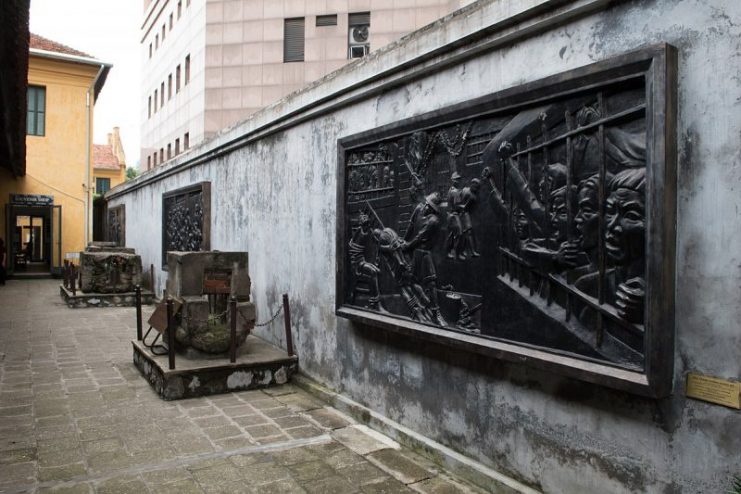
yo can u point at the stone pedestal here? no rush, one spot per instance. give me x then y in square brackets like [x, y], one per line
[259, 365]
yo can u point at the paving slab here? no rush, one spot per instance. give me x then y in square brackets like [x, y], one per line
[77, 417]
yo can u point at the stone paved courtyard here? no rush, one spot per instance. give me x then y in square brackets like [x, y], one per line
[77, 417]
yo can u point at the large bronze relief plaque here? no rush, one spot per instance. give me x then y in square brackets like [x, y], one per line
[536, 224]
[186, 220]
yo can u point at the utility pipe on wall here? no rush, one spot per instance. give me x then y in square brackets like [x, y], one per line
[90, 97]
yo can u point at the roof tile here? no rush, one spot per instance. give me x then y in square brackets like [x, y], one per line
[41, 43]
[103, 157]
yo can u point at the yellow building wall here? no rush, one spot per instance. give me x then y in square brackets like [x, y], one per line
[56, 162]
[117, 177]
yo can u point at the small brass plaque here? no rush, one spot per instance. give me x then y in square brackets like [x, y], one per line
[714, 390]
[217, 281]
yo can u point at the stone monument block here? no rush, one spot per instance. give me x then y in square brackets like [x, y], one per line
[110, 272]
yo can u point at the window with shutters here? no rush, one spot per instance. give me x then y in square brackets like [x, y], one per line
[169, 86]
[293, 40]
[162, 94]
[102, 185]
[36, 117]
[149, 108]
[177, 79]
[177, 146]
[358, 42]
[186, 140]
[187, 70]
[155, 101]
[326, 20]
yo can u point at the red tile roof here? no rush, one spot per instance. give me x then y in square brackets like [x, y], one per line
[103, 157]
[41, 43]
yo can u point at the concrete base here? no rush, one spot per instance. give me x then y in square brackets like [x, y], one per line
[82, 300]
[259, 365]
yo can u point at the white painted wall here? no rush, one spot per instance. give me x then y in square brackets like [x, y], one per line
[275, 198]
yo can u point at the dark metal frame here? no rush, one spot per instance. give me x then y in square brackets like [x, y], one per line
[658, 64]
[205, 189]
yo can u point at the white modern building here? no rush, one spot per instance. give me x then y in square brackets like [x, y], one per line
[208, 64]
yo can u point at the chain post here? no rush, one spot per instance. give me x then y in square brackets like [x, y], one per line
[170, 335]
[233, 329]
[138, 297]
[72, 279]
[287, 322]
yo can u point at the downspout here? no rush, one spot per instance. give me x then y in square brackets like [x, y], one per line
[88, 150]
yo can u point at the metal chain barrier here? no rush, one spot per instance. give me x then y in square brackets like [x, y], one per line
[217, 317]
[275, 316]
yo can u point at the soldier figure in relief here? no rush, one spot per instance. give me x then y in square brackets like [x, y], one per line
[419, 241]
[361, 238]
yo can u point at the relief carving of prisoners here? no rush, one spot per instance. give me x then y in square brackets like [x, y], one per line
[527, 225]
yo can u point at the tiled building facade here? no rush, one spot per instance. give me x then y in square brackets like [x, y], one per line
[211, 63]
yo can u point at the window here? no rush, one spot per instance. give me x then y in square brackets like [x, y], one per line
[162, 94]
[154, 160]
[150, 50]
[149, 162]
[156, 41]
[187, 70]
[186, 140]
[149, 107]
[180, 8]
[102, 185]
[162, 155]
[177, 79]
[326, 20]
[357, 37]
[155, 101]
[293, 40]
[169, 151]
[163, 33]
[171, 21]
[36, 119]
[177, 146]
[169, 86]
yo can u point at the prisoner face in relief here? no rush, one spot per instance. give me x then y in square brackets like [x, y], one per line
[626, 217]
[587, 216]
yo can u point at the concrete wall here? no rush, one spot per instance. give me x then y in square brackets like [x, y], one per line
[273, 194]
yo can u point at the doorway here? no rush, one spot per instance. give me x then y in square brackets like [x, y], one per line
[34, 239]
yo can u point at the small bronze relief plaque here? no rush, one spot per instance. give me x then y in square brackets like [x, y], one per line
[217, 281]
[714, 390]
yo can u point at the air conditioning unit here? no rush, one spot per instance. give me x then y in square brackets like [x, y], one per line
[358, 41]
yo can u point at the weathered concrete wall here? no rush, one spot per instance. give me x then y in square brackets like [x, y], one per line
[273, 183]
